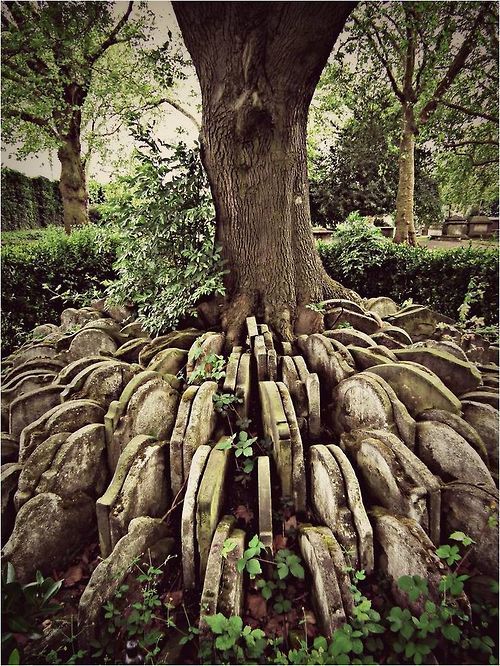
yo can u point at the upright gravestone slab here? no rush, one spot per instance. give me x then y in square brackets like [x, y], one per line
[243, 385]
[209, 502]
[298, 467]
[265, 503]
[169, 361]
[91, 341]
[350, 336]
[484, 419]
[9, 479]
[102, 382]
[322, 359]
[177, 439]
[459, 426]
[215, 563]
[201, 424]
[33, 352]
[276, 427]
[31, 406]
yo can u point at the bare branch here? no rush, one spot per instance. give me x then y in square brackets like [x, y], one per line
[30, 118]
[112, 38]
[469, 112]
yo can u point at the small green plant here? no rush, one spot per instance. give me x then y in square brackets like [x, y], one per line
[235, 642]
[211, 368]
[242, 444]
[224, 402]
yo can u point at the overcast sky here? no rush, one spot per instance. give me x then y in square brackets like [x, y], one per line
[46, 164]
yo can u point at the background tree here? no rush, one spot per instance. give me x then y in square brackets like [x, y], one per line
[424, 50]
[353, 156]
[64, 70]
[258, 65]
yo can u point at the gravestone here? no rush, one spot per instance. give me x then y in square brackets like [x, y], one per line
[350, 336]
[484, 420]
[215, 564]
[31, 406]
[177, 439]
[265, 503]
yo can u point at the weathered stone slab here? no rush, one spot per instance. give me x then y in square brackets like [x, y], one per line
[343, 303]
[449, 456]
[419, 322]
[31, 406]
[177, 439]
[327, 597]
[321, 358]
[383, 306]
[78, 465]
[360, 402]
[314, 406]
[129, 351]
[397, 479]
[10, 448]
[38, 462]
[458, 376]
[210, 344]
[215, 564]
[201, 424]
[232, 371]
[265, 503]
[40, 332]
[301, 366]
[343, 351]
[356, 506]
[231, 593]
[188, 520]
[178, 339]
[144, 491]
[445, 346]
[272, 364]
[417, 390]
[9, 479]
[133, 330]
[406, 550]
[105, 503]
[72, 318]
[467, 509]
[366, 358]
[484, 420]
[33, 546]
[102, 382]
[33, 352]
[395, 333]
[299, 493]
[143, 534]
[252, 329]
[260, 353]
[383, 339]
[243, 385]
[36, 366]
[276, 427]
[70, 371]
[68, 417]
[350, 336]
[209, 502]
[485, 397]
[151, 410]
[385, 352]
[459, 426]
[361, 322]
[329, 500]
[89, 342]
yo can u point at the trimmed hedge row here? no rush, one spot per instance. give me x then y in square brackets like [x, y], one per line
[29, 203]
[437, 278]
[40, 279]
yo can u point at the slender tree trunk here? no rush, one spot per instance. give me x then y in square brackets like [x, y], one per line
[258, 65]
[405, 226]
[72, 183]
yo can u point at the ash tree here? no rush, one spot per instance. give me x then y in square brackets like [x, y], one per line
[258, 64]
[424, 50]
[66, 67]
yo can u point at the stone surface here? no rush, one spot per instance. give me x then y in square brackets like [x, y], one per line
[232, 371]
[314, 406]
[326, 593]
[72, 318]
[129, 351]
[178, 339]
[201, 424]
[215, 564]
[382, 305]
[418, 321]
[361, 322]
[350, 336]
[459, 426]
[143, 533]
[33, 546]
[265, 503]
[188, 519]
[31, 406]
[299, 494]
[484, 419]
[209, 502]
[36, 366]
[443, 346]
[487, 397]
[343, 303]
[68, 417]
[144, 492]
[102, 382]
[457, 375]
[322, 359]
[260, 354]
[243, 385]
[231, 593]
[70, 371]
[10, 448]
[329, 500]
[210, 344]
[25, 383]
[276, 427]
[89, 342]
[388, 341]
[9, 478]
[417, 390]
[406, 550]
[33, 352]
[365, 358]
[396, 333]
[177, 439]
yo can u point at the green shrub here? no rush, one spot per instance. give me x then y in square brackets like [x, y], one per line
[29, 203]
[40, 279]
[372, 266]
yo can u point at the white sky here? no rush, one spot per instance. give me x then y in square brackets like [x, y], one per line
[46, 163]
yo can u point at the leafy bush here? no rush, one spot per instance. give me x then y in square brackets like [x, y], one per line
[40, 279]
[167, 260]
[29, 203]
[361, 259]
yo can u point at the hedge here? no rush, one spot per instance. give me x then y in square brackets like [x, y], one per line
[437, 278]
[29, 203]
[40, 279]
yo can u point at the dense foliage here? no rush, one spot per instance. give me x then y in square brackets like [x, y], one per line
[29, 203]
[42, 278]
[168, 260]
[360, 258]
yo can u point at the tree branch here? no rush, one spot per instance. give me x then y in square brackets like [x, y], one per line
[472, 142]
[112, 38]
[469, 112]
[175, 104]
[34, 120]
[454, 69]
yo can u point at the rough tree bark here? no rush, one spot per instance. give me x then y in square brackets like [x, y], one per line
[405, 226]
[72, 184]
[258, 64]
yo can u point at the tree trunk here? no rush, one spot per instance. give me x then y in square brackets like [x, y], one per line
[405, 226]
[258, 65]
[72, 184]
